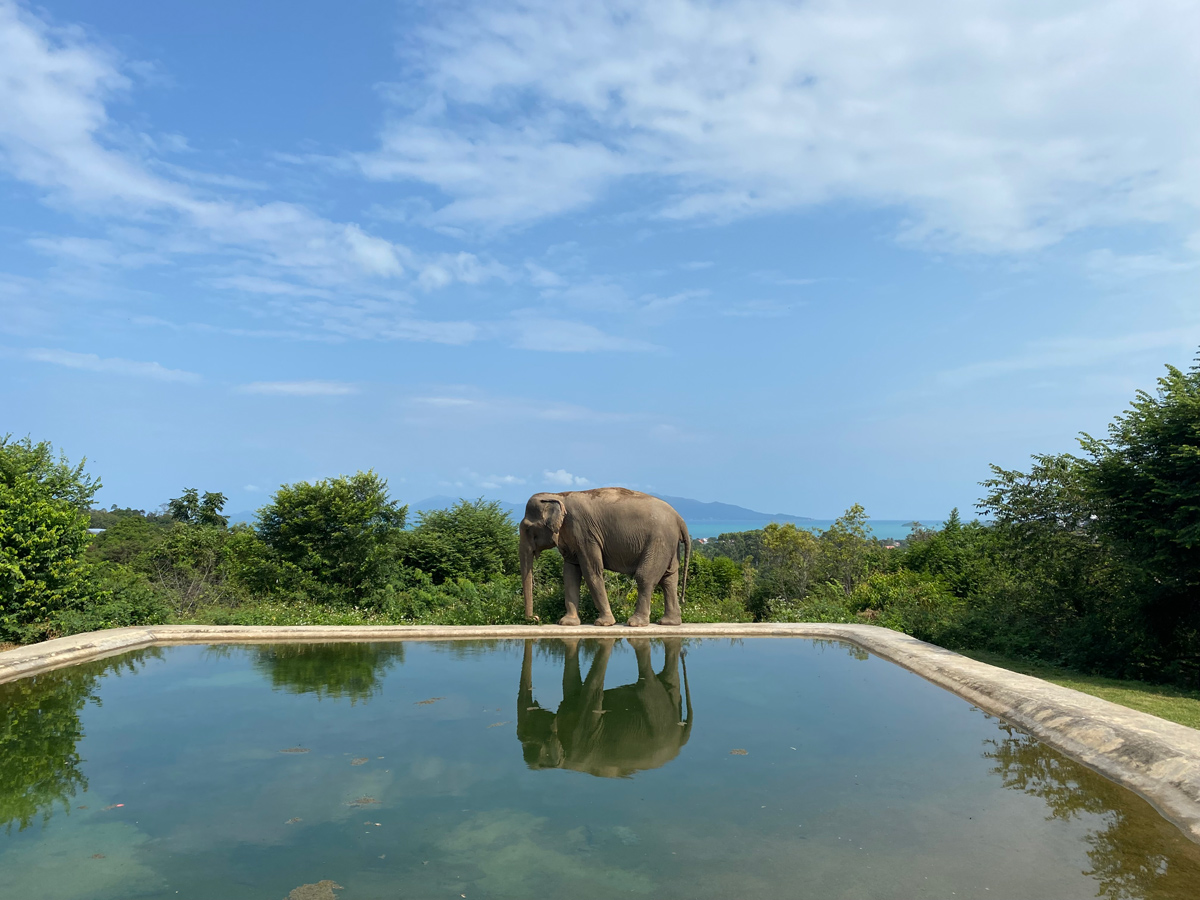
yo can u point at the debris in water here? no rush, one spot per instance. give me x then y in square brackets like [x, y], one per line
[427, 702]
[738, 752]
[358, 761]
[361, 801]
[294, 750]
[383, 856]
[322, 890]
[293, 821]
[113, 806]
[97, 856]
[82, 807]
[498, 724]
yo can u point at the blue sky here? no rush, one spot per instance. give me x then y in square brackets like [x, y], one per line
[786, 255]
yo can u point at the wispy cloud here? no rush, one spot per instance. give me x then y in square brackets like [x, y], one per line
[536, 332]
[980, 125]
[56, 135]
[92, 363]
[1074, 353]
[300, 388]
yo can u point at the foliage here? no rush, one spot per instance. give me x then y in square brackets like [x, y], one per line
[1144, 485]
[475, 540]
[108, 518]
[343, 533]
[192, 509]
[127, 538]
[43, 535]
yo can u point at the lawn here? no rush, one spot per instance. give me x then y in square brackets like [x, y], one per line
[1166, 702]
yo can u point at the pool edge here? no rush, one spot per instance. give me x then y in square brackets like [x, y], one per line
[1157, 759]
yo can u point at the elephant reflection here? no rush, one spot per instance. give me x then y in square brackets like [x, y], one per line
[610, 733]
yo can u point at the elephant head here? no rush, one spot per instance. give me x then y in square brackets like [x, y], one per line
[611, 733]
[539, 530]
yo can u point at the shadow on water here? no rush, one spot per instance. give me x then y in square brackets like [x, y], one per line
[613, 732]
[344, 671]
[1137, 855]
[40, 728]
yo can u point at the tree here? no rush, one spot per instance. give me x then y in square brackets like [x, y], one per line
[342, 532]
[44, 505]
[845, 547]
[1145, 482]
[1054, 593]
[192, 509]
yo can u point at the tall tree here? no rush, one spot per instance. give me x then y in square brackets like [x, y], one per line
[1145, 477]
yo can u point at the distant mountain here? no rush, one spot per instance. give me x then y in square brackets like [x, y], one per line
[699, 512]
[694, 512]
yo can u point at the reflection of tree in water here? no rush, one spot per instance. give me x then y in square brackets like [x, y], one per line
[612, 733]
[1138, 855]
[40, 765]
[350, 671]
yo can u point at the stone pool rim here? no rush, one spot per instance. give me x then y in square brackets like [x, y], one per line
[1156, 759]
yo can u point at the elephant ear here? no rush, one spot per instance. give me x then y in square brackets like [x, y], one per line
[556, 513]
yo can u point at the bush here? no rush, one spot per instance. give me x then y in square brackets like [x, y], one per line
[475, 540]
[44, 505]
[912, 602]
[341, 534]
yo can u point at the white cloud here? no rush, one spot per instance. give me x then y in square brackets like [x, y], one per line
[988, 126]
[92, 363]
[300, 388]
[563, 478]
[56, 135]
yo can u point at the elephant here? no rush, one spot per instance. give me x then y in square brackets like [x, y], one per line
[607, 733]
[607, 528]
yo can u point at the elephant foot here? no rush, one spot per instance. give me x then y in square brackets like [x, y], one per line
[569, 620]
[606, 620]
[636, 621]
[673, 620]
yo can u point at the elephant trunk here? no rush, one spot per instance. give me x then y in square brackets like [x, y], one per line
[527, 554]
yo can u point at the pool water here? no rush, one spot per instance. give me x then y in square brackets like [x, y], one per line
[526, 769]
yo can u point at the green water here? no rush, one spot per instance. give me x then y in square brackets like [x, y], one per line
[772, 768]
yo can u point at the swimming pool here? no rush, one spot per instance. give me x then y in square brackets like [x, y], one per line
[673, 767]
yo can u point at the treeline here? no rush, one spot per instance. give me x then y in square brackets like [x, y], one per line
[1090, 561]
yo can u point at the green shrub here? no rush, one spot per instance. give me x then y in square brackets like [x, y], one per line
[44, 504]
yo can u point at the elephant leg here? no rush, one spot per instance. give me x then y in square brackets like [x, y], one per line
[593, 572]
[641, 649]
[572, 682]
[641, 613]
[571, 581]
[669, 676]
[670, 583]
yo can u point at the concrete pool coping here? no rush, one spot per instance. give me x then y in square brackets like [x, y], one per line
[1157, 759]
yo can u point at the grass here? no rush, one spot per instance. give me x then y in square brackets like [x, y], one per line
[1162, 700]
[4, 646]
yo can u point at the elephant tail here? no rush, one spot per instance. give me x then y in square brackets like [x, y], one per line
[687, 558]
